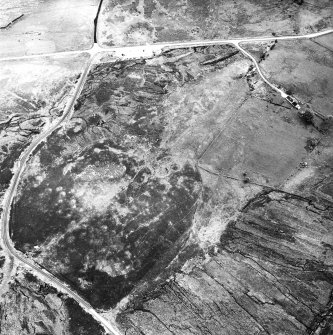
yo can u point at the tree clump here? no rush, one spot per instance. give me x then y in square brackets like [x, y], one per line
[306, 115]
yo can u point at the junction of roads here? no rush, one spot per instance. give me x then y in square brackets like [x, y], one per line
[123, 53]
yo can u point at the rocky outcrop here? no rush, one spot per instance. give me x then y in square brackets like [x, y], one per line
[31, 307]
[271, 274]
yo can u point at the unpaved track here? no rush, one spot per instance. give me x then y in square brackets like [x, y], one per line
[283, 94]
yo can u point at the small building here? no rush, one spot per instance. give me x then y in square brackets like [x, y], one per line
[293, 101]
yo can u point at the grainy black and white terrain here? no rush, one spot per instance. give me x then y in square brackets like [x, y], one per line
[173, 193]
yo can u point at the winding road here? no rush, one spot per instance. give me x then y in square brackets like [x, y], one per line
[9, 197]
[123, 53]
[283, 94]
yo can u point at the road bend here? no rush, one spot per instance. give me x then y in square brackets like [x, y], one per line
[10, 194]
[283, 94]
[246, 53]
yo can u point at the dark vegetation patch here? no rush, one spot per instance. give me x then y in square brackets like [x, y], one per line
[30, 277]
[45, 289]
[311, 144]
[147, 221]
[200, 8]
[130, 95]
[121, 90]
[40, 210]
[150, 6]
[49, 218]
[7, 164]
[157, 220]
[140, 26]
[50, 150]
[80, 322]
[2, 261]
